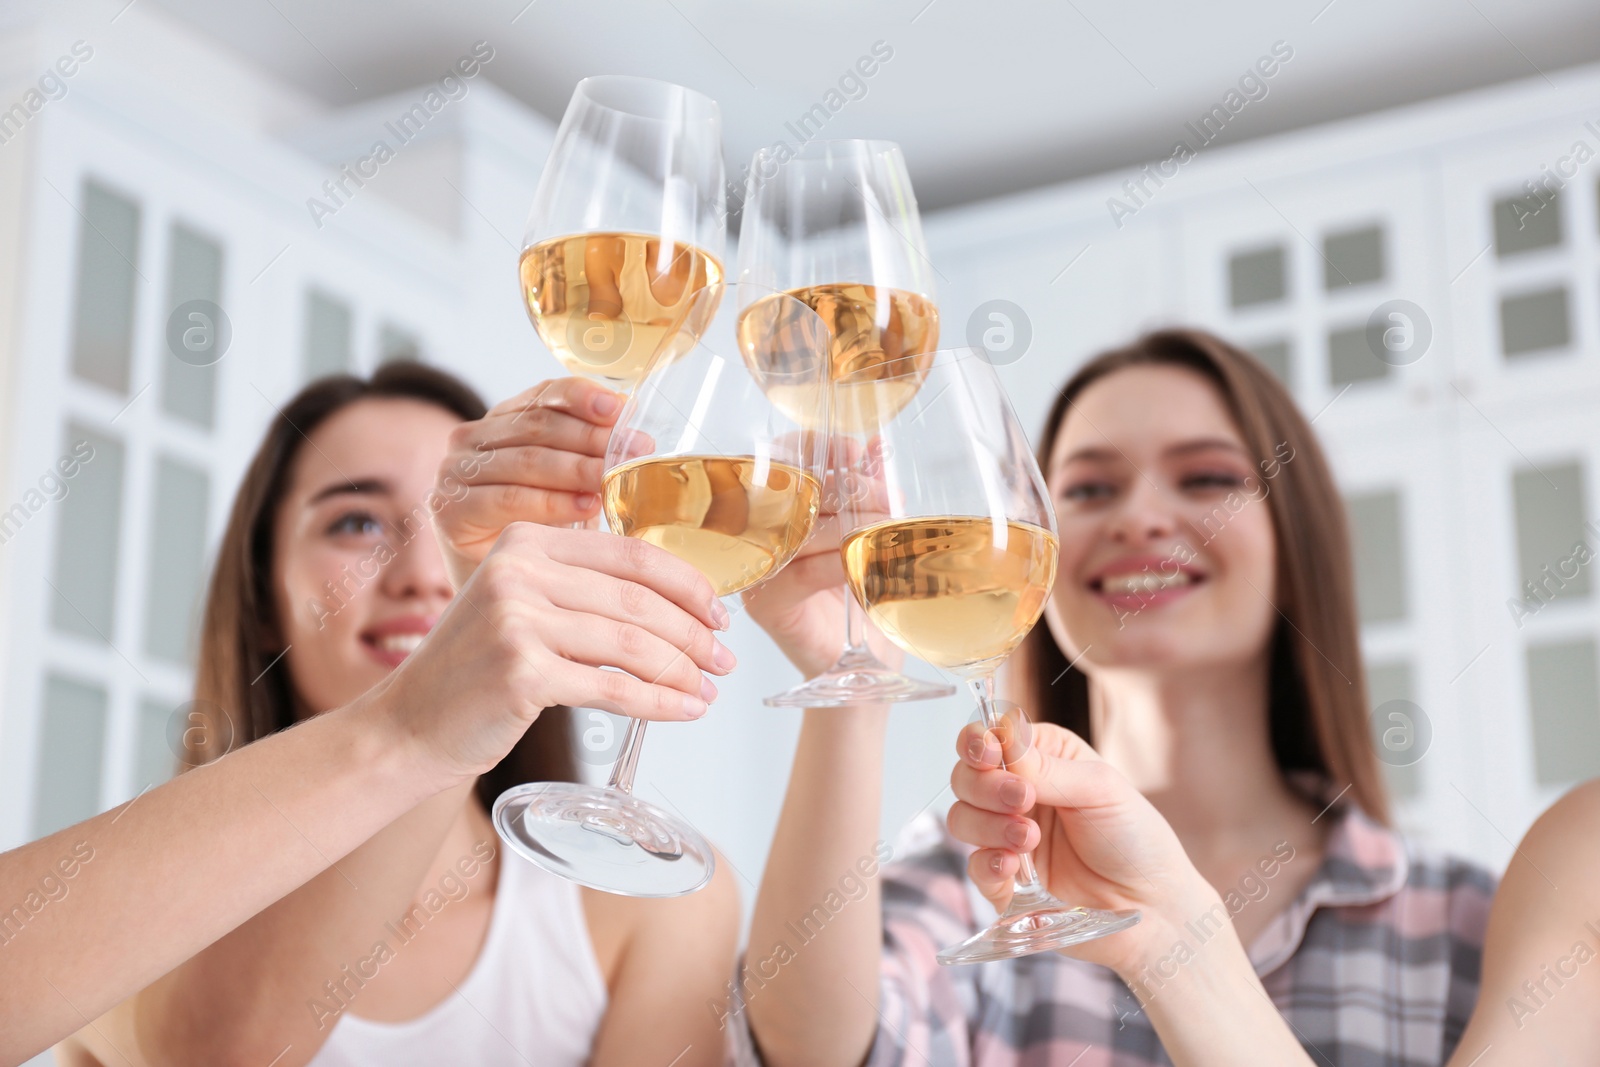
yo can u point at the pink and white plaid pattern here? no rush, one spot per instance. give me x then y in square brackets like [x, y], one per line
[1375, 964]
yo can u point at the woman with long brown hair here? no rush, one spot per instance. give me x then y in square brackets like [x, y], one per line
[427, 945]
[1202, 636]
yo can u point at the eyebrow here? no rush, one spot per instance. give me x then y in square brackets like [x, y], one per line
[359, 487]
[1199, 444]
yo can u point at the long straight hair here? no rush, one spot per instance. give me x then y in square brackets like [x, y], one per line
[1317, 695]
[242, 686]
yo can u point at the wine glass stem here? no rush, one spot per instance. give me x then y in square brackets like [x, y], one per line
[632, 741]
[853, 639]
[1027, 880]
[628, 762]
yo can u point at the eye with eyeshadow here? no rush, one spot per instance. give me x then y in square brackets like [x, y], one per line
[1212, 479]
[1088, 491]
[356, 525]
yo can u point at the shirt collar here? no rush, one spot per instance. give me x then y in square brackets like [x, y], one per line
[1363, 863]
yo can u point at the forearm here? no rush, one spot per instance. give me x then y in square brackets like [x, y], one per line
[264, 986]
[1213, 1011]
[161, 877]
[811, 973]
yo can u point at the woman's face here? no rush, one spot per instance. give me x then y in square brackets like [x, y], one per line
[358, 574]
[1167, 546]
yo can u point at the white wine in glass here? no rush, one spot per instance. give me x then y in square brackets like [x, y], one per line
[736, 518]
[960, 590]
[835, 227]
[604, 302]
[950, 544]
[627, 226]
[871, 326]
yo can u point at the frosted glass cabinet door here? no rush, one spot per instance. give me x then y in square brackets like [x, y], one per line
[107, 272]
[1564, 705]
[1377, 541]
[327, 340]
[71, 752]
[174, 575]
[189, 368]
[88, 522]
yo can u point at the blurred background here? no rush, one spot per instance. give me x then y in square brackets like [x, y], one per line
[1397, 207]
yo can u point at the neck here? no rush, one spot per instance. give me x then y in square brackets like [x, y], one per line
[1197, 744]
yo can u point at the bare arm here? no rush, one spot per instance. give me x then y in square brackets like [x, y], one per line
[1541, 981]
[247, 998]
[815, 1001]
[1216, 1013]
[184, 864]
[148, 884]
[674, 970]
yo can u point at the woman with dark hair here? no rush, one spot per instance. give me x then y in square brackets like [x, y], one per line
[427, 945]
[93, 911]
[1202, 636]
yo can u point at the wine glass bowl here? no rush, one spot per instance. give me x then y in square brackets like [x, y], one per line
[959, 591]
[671, 479]
[604, 302]
[627, 226]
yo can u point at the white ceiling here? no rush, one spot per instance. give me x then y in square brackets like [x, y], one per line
[987, 98]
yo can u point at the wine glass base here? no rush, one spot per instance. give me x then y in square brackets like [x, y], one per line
[858, 685]
[603, 838]
[1040, 928]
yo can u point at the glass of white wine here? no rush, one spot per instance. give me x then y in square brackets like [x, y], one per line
[627, 226]
[950, 545]
[705, 465]
[834, 224]
[620, 254]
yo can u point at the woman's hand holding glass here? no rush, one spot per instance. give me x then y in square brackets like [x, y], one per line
[705, 464]
[1097, 839]
[1094, 838]
[951, 547]
[541, 615]
[538, 457]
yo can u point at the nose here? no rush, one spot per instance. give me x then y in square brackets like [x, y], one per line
[417, 571]
[1146, 516]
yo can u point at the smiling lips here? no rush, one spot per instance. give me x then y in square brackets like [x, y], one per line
[392, 640]
[1134, 583]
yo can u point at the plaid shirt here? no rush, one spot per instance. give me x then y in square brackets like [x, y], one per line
[1374, 964]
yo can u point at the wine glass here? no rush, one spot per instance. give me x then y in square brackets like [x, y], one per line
[950, 545]
[703, 464]
[835, 225]
[623, 240]
[627, 226]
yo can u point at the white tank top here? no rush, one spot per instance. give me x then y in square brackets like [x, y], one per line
[535, 994]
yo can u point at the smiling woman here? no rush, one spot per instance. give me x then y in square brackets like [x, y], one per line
[1202, 636]
[425, 945]
[302, 540]
[1211, 435]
